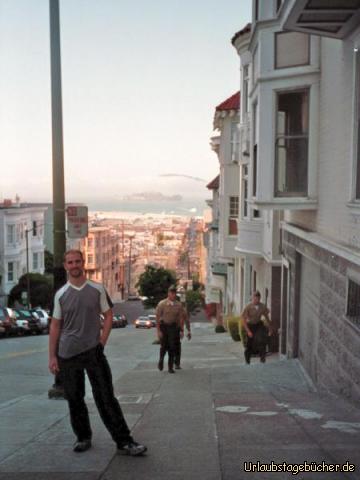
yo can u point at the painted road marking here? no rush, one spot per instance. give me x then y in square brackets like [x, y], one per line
[22, 354]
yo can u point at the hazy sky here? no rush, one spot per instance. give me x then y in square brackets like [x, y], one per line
[140, 79]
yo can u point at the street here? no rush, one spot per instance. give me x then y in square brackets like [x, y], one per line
[204, 422]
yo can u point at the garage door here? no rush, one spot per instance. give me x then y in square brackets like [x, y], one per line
[309, 315]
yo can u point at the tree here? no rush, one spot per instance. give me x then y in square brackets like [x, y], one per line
[49, 262]
[154, 283]
[194, 300]
[41, 290]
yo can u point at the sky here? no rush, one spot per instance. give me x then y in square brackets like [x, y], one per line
[141, 81]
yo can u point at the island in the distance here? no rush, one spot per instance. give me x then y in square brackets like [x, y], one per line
[151, 197]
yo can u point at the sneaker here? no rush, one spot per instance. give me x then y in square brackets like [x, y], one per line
[247, 357]
[82, 446]
[132, 448]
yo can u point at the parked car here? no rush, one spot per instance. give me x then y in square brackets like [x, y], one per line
[43, 316]
[143, 322]
[120, 320]
[8, 321]
[152, 319]
[33, 321]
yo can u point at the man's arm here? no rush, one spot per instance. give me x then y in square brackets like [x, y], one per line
[54, 335]
[158, 318]
[108, 321]
[245, 318]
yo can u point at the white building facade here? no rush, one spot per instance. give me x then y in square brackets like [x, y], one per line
[301, 62]
[21, 241]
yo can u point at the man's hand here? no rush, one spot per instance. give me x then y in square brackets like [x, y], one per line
[181, 334]
[249, 333]
[54, 365]
[188, 335]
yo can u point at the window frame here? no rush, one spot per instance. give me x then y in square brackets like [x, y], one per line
[353, 319]
[11, 271]
[287, 194]
[35, 261]
[234, 205]
[10, 234]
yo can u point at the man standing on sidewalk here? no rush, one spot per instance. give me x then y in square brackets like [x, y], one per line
[255, 320]
[170, 317]
[76, 345]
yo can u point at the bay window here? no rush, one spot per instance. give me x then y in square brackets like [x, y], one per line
[291, 144]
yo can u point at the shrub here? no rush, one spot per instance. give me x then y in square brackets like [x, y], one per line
[233, 326]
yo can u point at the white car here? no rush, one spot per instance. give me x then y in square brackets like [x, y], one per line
[43, 316]
[143, 322]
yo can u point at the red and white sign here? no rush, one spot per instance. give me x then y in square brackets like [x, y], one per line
[77, 221]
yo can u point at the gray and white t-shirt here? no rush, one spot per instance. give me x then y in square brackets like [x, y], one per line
[80, 309]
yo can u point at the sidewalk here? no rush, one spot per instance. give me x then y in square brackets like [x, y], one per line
[205, 421]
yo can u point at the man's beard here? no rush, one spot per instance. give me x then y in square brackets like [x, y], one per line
[76, 272]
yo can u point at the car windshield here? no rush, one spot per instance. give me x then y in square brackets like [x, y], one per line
[143, 319]
[25, 313]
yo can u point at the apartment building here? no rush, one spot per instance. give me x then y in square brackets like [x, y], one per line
[300, 179]
[22, 244]
[103, 262]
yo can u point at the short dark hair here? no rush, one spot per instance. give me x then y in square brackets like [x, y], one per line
[172, 288]
[73, 250]
[257, 294]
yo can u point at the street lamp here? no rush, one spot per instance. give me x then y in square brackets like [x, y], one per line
[129, 272]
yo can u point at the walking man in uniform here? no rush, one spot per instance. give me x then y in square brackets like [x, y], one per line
[76, 345]
[256, 321]
[170, 317]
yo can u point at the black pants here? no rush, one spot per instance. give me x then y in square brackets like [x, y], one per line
[169, 342]
[257, 343]
[97, 368]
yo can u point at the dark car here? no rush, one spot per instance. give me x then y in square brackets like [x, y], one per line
[120, 320]
[7, 321]
[33, 321]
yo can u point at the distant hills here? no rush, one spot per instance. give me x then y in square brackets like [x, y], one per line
[151, 197]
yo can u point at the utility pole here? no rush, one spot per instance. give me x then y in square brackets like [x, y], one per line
[57, 147]
[57, 164]
[129, 273]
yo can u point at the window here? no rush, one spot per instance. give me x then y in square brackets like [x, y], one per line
[292, 132]
[357, 192]
[90, 259]
[245, 191]
[235, 142]
[353, 302]
[254, 159]
[35, 261]
[245, 90]
[292, 49]
[233, 215]
[90, 242]
[34, 228]
[10, 234]
[11, 273]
